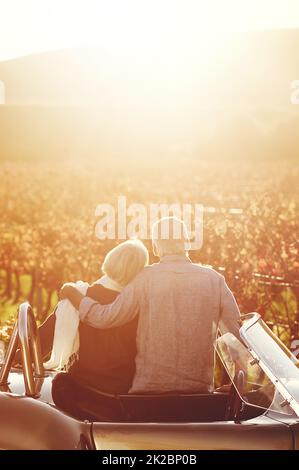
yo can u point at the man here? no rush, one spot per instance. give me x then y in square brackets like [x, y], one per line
[180, 307]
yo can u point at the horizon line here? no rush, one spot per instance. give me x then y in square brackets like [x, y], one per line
[31, 53]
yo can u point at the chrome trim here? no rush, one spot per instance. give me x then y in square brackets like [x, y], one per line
[248, 320]
[25, 334]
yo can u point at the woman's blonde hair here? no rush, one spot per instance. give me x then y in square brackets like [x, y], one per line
[125, 261]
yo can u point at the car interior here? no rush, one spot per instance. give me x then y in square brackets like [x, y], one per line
[168, 408]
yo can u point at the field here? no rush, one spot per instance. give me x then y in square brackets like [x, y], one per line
[48, 227]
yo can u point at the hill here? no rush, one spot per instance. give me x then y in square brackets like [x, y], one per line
[83, 102]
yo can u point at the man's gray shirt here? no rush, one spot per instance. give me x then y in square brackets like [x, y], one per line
[180, 307]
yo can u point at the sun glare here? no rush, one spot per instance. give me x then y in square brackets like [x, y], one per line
[134, 27]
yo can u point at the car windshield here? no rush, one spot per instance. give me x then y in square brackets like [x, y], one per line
[255, 388]
[277, 359]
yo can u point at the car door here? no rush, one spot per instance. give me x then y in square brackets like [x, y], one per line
[261, 433]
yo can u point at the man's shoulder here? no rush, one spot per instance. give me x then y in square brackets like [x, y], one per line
[206, 270]
[195, 267]
[140, 276]
[147, 270]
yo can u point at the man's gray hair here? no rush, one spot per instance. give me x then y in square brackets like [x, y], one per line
[170, 236]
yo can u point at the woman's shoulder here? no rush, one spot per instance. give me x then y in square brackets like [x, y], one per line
[101, 294]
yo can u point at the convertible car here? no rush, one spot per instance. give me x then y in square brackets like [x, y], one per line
[259, 409]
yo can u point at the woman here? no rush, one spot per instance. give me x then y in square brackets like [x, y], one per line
[106, 359]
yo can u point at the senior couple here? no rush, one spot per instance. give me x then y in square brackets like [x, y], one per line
[145, 328]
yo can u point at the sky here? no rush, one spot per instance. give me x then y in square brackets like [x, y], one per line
[31, 26]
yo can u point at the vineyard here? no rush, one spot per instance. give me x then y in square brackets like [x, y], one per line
[48, 228]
